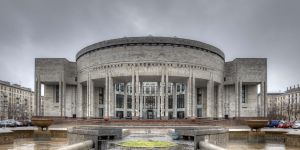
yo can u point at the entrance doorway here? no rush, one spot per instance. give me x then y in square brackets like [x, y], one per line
[150, 114]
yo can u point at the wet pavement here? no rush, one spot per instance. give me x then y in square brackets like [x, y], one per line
[244, 145]
[30, 144]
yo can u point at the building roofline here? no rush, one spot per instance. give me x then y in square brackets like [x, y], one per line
[150, 40]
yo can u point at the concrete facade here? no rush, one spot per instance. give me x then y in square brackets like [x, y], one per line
[16, 102]
[150, 78]
[285, 105]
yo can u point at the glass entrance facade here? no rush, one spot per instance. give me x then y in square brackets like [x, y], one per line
[153, 100]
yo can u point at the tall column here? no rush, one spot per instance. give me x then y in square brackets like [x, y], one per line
[110, 96]
[79, 100]
[125, 100]
[133, 96]
[266, 100]
[92, 101]
[88, 98]
[60, 97]
[64, 98]
[167, 97]
[220, 101]
[194, 98]
[236, 98]
[174, 101]
[157, 101]
[189, 97]
[262, 95]
[37, 95]
[106, 114]
[142, 100]
[210, 99]
[240, 98]
[137, 95]
[162, 98]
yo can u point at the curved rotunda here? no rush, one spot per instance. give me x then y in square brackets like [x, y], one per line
[150, 78]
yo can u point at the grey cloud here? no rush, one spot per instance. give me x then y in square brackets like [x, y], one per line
[60, 28]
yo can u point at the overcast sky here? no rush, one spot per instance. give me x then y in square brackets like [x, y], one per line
[240, 28]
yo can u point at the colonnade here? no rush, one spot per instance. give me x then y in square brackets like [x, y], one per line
[213, 106]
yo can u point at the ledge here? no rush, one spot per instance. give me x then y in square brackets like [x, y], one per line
[151, 41]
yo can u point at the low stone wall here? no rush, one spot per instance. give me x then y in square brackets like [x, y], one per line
[15, 133]
[292, 140]
[86, 145]
[99, 135]
[59, 133]
[6, 137]
[215, 135]
[209, 146]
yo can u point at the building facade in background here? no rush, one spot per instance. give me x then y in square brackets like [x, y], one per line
[151, 78]
[16, 102]
[285, 105]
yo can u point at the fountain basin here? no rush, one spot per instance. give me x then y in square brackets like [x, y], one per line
[256, 124]
[42, 122]
[147, 144]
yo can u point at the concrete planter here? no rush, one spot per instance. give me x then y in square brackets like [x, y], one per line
[256, 124]
[42, 122]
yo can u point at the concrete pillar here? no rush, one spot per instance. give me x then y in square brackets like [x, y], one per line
[236, 98]
[79, 100]
[162, 98]
[106, 109]
[133, 95]
[157, 97]
[189, 97]
[37, 94]
[240, 98]
[137, 95]
[263, 99]
[210, 99]
[194, 98]
[64, 98]
[60, 86]
[92, 101]
[125, 100]
[220, 101]
[110, 96]
[174, 101]
[167, 97]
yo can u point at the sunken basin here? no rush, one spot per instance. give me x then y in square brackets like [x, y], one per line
[42, 122]
[256, 124]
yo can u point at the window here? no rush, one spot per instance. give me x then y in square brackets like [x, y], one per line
[170, 88]
[199, 112]
[57, 93]
[178, 88]
[129, 114]
[182, 87]
[120, 101]
[101, 112]
[170, 99]
[119, 114]
[120, 87]
[101, 100]
[129, 101]
[170, 115]
[180, 114]
[199, 97]
[147, 90]
[180, 101]
[244, 90]
[129, 89]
